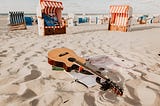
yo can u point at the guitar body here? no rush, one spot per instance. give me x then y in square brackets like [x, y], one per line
[59, 57]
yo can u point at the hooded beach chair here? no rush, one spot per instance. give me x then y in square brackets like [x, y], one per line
[142, 19]
[16, 20]
[49, 14]
[120, 18]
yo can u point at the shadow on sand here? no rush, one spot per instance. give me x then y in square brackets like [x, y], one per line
[93, 30]
[139, 28]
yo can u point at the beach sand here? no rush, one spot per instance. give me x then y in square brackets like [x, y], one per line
[26, 78]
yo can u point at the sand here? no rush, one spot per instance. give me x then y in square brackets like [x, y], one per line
[26, 78]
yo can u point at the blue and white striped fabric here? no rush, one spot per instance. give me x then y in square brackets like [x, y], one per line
[16, 18]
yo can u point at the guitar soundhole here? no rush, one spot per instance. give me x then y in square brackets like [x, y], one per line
[63, 54]
[72, 59]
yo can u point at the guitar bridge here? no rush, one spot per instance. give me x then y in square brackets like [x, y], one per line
[62, 54]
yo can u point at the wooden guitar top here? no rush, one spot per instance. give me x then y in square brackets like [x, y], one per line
[62, 55]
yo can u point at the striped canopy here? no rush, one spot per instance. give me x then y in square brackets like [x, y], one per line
[120, 14]
[119, 9]
[49, 6]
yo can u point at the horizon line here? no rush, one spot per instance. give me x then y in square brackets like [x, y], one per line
[64, 13]
[79, 13]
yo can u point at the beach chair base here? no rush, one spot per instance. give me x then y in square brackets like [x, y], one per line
[60, 30]
[49, 31]
[118, 28]
[142, 22]
[53, 31]
[17, 27]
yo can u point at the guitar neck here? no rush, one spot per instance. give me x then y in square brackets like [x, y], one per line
[91, 68]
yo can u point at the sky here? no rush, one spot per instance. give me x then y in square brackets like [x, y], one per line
[83, 6]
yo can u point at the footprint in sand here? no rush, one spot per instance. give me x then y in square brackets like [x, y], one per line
[18, 55]
[39, 52]
[11, 72]
[0, 62]
[4, 51]
[28, 94]
[89, 99]
[107, 96]
[131, 101]
[32, 66]
[134, 100]
[13, 98]
[3, 55]
[34, 102]
[149, 77]
[26, 61]
[33, 75]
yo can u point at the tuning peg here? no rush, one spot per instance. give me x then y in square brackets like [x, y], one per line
[98, 80]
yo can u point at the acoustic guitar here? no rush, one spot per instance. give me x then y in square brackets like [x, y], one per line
[66, 58]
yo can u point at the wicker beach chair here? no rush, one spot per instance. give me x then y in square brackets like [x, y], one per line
[120, 18]
[16, 20]
[49, 14]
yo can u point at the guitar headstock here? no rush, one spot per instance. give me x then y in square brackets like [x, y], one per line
[116, 89]
[108, 84]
